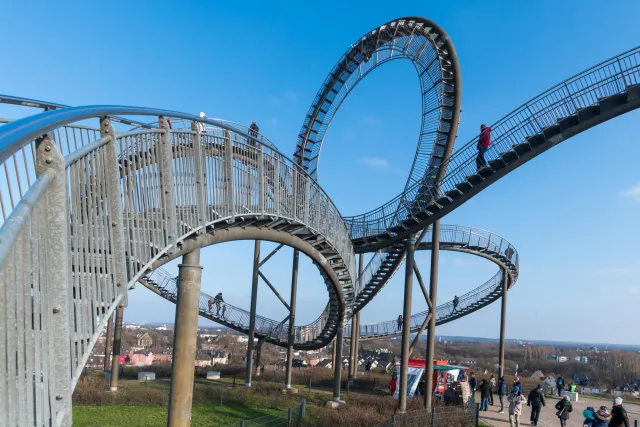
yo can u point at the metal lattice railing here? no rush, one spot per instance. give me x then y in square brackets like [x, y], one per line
[236, 317]
[608, 78]
[86, 212]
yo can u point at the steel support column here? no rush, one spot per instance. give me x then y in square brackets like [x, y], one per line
[252, 314]
[117, 342]
[337, 366]
[355, 328]
[107, 344]
[410, 247]
[503, 321]
[292, 322]
[184, 340]
[433, 297]
[258, 357]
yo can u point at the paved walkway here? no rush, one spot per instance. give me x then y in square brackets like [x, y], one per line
[548, 416]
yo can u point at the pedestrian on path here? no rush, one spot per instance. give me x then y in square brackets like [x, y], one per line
[536, 402]
[484, 395]
[564, 408]
[218, 302]
[560, 384]
[601, 417]
[492, 386]
[472, 383]
[516, 400]
[400, 321]
[619, 415]
[502, 392]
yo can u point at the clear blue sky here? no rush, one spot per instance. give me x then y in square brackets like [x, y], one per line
[572, 213]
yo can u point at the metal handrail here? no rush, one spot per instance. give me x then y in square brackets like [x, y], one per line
[608, 78]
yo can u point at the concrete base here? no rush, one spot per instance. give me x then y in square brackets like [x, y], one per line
[573, 396]
[213, 375]
[113, 389]
[335, 404]
[289, 390]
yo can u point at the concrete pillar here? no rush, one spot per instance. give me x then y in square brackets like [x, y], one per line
[185, 340]
[355, 326]
[292, 318]
[252, 313]
[503, 321]
[117, 342]
[258, 357]
[337, 366]
[431, 331]
[333, 353]
[108, 343]
[410, 247]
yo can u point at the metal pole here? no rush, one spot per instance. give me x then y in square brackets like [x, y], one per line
[292, 311]
[258, 357]
[410, 247]
[117, 342]
[107, 344]
[503, 321]
[333, 353]
[431, 334]
[353, 348]
[337, 363]
[184, 340]
[252, 314]
[357, 316]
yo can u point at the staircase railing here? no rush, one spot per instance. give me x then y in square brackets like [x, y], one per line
[608, 78]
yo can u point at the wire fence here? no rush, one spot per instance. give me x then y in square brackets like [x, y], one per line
[442, 416]
[288, 418]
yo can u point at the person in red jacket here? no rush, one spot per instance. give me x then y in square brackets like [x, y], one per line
[393, 384]
[483, 144]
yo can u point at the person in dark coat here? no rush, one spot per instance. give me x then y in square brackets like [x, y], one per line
[502, 392]
[485, 392]
[536, 402]
[472, 383]
[619, 415]
[564, 408]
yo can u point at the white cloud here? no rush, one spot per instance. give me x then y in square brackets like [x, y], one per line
[632, 193]
[374, 162]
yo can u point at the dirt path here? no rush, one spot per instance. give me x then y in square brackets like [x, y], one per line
[548, 416]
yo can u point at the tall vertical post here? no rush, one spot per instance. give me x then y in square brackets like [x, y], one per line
[49, 158]
[184, 340]
[503, 320]
[337, 366]
[355, 326]
[410, 247]
[107, 344]
[258, 357]
[431, 331]
[252, 314]
[292, 311]
[333, 353]
[117, 342]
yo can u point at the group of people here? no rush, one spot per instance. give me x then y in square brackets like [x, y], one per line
[616, 417]
[217, 301]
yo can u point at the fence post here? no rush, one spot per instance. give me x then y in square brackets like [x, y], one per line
[393, 420]
[303, 410]
[288, 417]
[241, 423]
[433, 416]
[477, 414]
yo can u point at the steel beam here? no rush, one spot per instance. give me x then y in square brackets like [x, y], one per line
[433, 295]
[107, 344]
[337, 366]
[252, 313]
[185, 338]
[503, 320]
[410, 247]
[273, 289]
[117, 343]
[292, 318]
[357, 316]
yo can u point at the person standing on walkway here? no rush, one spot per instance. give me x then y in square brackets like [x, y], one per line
[400, 322]
[485, 388]
[492, 386]
[516, 400]
[253, 132]
[218, 302]
[564, 408]
[456, 301]
[483, 145]
[619, 415]
[472, 383]
[502, 392]
[536, 401]
[560, 384]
